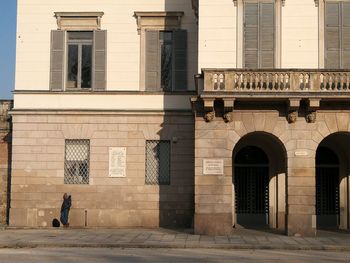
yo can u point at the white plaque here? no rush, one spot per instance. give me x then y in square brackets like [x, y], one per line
[213, 166]
[117, 161]
[301, 153]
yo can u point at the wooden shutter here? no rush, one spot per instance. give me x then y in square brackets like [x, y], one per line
[99, 69]
[332, 35]
[346, 35]
[152, 65]
[266, 35]
[251, 35]
[57, 60]
[180, 63]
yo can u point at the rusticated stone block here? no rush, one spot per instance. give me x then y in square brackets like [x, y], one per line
[213, 224]
[301, 225]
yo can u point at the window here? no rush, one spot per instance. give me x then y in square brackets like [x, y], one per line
[166, 54]
[78, 52]
[157, 162]
[337, 35]
[79, 60]
[77, 162]
[166, 60]
[259, 34]
[163, 51]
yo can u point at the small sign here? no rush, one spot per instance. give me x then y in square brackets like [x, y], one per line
[301, 153]
[213, 166]
[117, 161]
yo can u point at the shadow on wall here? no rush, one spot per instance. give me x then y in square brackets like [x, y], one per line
[8, 139]
[6, 160]
[176, 196]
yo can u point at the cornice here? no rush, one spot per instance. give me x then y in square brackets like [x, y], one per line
[282, 1]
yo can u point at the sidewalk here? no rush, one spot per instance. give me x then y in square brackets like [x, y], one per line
[163, 238]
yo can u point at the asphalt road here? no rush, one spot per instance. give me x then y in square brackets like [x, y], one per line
[103, 255]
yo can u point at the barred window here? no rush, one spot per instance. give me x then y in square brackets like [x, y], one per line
[158, 162]
[77, 162]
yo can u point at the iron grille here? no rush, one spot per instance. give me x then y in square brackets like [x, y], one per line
[77, 162]
[327, 190]
[252, 190]
[158, 162]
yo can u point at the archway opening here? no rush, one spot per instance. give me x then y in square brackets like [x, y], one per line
[332, 182]
[252, 187]
[259, 182]
[327, 188]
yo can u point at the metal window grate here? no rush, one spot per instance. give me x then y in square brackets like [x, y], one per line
[158, 162]
[77, 162]
[327, 190]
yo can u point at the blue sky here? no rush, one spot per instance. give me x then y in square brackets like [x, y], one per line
[8, 47]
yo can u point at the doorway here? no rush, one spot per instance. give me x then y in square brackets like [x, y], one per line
[251, 179]
[327, 188]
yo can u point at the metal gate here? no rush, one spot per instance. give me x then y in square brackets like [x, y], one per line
[327, 196]
[252, 194]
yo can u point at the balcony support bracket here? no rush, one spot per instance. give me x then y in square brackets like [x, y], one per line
[209, 111]
[228, 109]
[312, 106]
[292, 109]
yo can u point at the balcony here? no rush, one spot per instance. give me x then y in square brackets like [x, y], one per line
[295, 87]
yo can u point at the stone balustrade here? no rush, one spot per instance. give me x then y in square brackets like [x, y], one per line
[305, 88]
[275, 81]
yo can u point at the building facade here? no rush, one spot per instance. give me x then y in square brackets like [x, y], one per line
[5, 159]
[111, 114]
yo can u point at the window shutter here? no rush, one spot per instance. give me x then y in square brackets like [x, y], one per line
[332, 35]
[346, 35]
[180, 52]
[100, 43]
[57, 60]
[152, 67]
[251, 35]
[267, 35]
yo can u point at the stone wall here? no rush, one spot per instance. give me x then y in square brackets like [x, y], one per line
[292, 190]
[38, 170]
[5, 150]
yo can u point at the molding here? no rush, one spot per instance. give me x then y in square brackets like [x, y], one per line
[78, 20]
[79, 14]
[317, 2]
[158, 19]
[282, 1]
[107, 92]
[146, 112]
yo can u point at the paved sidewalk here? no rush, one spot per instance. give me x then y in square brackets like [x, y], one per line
[163, 238]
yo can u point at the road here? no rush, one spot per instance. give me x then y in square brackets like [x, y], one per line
[106, 255]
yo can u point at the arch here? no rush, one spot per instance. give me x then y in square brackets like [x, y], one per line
[264, 149]
[332, 165]
[251, 155]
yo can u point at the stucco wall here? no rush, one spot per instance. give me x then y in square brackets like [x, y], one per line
[218, 25]
[35, 20]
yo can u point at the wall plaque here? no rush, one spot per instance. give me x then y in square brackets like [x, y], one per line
[117, 161]
[213, 166]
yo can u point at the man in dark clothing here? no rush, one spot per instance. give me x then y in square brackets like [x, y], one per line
[66, 204]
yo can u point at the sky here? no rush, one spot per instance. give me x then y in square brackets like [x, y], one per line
[8, 47]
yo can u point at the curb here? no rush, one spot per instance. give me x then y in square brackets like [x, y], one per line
[179, 246]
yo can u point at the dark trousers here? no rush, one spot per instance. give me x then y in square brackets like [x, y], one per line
[64, 216]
